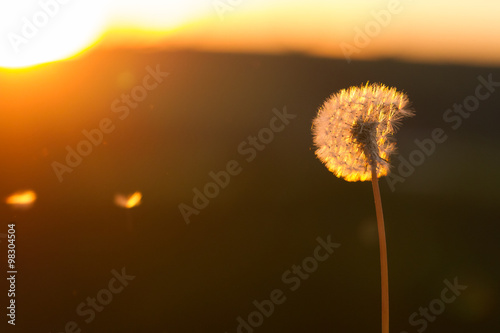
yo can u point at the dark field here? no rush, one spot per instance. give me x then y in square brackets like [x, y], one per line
[441, 222]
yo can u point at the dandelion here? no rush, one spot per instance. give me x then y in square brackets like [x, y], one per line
[353, 135]
[353, 129]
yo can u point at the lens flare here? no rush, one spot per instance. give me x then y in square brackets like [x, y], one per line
[22, 199]
[129, 201]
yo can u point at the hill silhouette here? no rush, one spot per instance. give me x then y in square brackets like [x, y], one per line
[275, 200]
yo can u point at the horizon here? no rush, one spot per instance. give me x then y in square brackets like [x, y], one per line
[46, 30]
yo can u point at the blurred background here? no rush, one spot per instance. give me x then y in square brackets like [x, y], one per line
[101, 100]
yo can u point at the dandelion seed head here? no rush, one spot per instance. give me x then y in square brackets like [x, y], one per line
[353, 130]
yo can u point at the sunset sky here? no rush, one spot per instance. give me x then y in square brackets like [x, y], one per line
[174, 140]
[443, 31]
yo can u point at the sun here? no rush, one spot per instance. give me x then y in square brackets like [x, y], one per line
[36, 32]
[39, 31]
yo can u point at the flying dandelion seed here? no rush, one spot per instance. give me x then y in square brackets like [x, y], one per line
[129, 201]
[353, 135]
[22, 199]
[353, 130]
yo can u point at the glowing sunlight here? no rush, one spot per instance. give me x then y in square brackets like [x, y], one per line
[40, 31]
[45, 31]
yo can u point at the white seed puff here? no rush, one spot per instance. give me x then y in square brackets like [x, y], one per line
[353, 130]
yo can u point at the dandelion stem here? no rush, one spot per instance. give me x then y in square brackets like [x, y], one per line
[384, 274]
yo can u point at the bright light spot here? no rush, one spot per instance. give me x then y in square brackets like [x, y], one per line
[128, 201]
[35, 32]
[157, 15]
[24, 199]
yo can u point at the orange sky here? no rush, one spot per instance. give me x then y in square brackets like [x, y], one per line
[445, 31]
